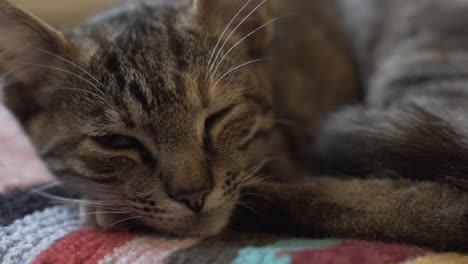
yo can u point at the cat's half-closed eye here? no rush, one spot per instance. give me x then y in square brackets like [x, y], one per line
[210, 121]
[116, 142]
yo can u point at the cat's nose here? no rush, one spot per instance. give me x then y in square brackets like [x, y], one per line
[195, 200]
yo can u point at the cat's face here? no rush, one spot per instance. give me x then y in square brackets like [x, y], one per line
[133, 108]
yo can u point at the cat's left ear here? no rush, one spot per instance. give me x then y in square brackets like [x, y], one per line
[252, 18]
[26, 60]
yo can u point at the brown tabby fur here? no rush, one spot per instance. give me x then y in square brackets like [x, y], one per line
[148, 70]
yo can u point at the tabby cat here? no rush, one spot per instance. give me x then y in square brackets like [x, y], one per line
[170, 113]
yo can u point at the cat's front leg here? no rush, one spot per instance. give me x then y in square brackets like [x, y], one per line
[423, 213]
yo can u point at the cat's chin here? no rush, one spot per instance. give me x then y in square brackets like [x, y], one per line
[201, 226]
[204, 226]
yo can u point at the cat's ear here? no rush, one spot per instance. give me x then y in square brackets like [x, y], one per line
[252, 18]
[26, 60]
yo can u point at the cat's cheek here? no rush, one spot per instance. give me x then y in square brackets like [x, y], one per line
[95, 217]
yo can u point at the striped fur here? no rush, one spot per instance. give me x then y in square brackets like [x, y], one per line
[136, 109]
[413, 123]
[195, 102]
[17, 206]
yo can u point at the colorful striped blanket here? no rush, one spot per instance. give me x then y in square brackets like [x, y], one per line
[34, 229]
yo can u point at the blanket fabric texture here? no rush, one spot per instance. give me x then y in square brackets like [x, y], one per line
[35, 229]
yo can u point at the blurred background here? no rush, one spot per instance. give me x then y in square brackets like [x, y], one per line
[63, 12]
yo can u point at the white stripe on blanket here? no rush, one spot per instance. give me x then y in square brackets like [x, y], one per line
[146, 250]
[26, 238]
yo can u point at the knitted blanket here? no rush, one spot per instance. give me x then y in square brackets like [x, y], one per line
[34, 229]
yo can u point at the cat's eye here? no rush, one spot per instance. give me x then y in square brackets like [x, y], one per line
[216, 117]
[211, 121]
[116, 142]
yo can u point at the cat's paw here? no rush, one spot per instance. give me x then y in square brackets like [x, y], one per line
[418, 142]
[102, 218]
[264, 207]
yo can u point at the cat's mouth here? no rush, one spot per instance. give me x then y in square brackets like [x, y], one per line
[196, 226]
[205, 225]
[175, 221]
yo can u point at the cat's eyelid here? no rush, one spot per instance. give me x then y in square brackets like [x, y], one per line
[215, 117]
[110, 132]
[116, 141]
[215, 108]
[143, 140]
[210, 119]
[98, 134]
[102, 133]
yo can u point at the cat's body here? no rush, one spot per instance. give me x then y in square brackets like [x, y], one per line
[399, 159]
[155, 110]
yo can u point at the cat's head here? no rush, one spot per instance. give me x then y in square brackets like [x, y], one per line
[147, 109]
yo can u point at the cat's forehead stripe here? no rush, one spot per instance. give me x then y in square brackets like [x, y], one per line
[136, 90]
[151, 65]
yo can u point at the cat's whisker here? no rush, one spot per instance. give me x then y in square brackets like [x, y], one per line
[92, 187]
[249, 179]
[240, 42]
[232, 33]
[109, 199]
[72, 64]
[63, 70]
[248, 206]
[125, 219]
[225, 30]
[96, 206]
[252, 171]
[256, 179]
[70, 200]
[255, 168]
[238, 67]
[103, 212]
[103, 192]
[99, 207]
[41, 188]
[251, 176]
[265, 198]
[87, 182]
[47, 186]
[69, 204]
[89, 92]
[11, 71]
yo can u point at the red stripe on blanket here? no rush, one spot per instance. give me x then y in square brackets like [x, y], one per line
[361, 252]
[86, 246]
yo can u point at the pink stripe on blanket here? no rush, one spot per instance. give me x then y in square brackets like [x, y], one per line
[19, 165]
[361, 252]
[87, 246]
[147, 250]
